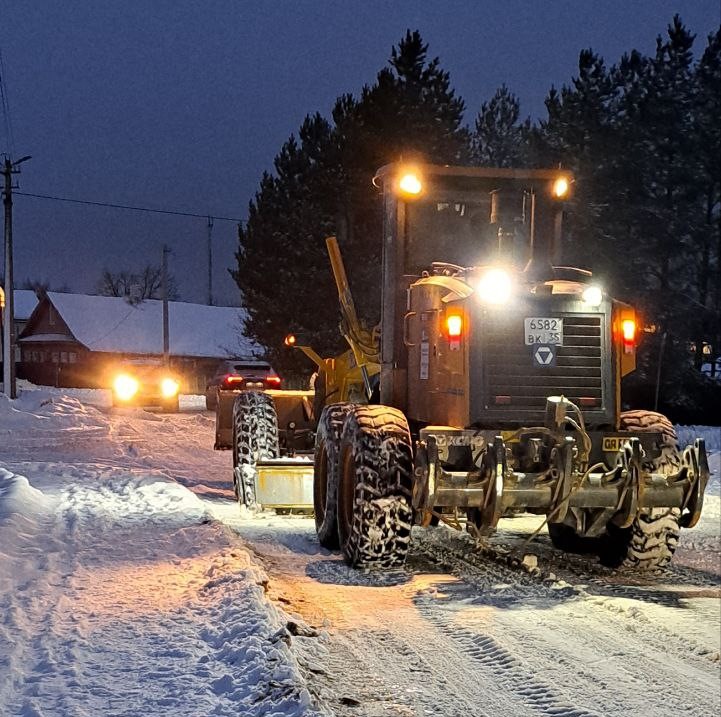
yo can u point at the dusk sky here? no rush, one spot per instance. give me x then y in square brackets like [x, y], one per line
[181, 105]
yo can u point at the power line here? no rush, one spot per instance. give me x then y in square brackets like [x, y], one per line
[126, 206]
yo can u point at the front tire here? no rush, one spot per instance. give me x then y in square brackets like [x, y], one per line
[255, 437]
[651, 540]
[325, 473]
[374, 488]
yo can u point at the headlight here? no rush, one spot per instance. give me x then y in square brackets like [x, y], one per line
[410, 183]
[560, 187]
[125, 387]
[593, 295]
[495, 287]
[169, 387]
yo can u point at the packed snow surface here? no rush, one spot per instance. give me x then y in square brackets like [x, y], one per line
[119, 594]
[131, 584]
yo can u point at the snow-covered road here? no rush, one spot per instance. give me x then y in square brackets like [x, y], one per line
[131, 585]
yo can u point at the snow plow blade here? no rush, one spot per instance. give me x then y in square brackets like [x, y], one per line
[285, 483]
[618, 493]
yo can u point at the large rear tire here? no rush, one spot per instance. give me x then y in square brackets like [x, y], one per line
[325, 473]
[374, 487]
[255, 436]
[651, 540]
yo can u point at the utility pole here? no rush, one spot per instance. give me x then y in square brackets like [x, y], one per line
[210, 260]
[164, 279]
[9, 168]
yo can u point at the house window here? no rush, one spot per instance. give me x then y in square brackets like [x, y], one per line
[55, 356]
[72, 357]
[63, 357]
[51, 315]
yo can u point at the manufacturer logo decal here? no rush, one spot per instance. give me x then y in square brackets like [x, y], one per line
[544, 355]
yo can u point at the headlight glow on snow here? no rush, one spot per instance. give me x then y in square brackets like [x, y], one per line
[169, 387]
[125, 387]
[495, 287]
[593, 295]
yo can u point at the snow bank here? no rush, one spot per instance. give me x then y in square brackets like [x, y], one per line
[710, 434]
[119, 593]
[18, 497]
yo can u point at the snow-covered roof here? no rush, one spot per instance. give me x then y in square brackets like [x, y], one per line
[111, 324]
[24, 303]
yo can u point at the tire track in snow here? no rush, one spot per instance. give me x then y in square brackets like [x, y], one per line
[508, 670]
[660, 608]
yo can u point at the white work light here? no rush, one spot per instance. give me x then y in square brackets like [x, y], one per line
[593, 295]
[495, 287]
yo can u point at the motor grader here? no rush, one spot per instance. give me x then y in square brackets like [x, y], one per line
[499, 385]
[497, 375]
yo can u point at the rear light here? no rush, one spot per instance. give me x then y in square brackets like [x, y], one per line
[454, 324]
[272, 381]
[454, 327]
[628, 330]
[231, 380]
[588, 401]
[502, 400]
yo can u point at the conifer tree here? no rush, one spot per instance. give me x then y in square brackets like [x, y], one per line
[322, 185]
[500, 139]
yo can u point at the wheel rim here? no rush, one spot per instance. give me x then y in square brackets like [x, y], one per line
[346, 491]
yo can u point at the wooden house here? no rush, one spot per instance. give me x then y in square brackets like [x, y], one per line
[76, 340]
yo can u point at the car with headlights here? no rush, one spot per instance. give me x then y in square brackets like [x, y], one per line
[237, 375]
[145, 383]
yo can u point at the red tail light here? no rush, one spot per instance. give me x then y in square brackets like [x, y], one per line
[454, 325]
[272, 381]
[454, 330]
[628, 329]
[232, 380]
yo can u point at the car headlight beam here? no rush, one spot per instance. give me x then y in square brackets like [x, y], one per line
[169, 387]
[125, 387]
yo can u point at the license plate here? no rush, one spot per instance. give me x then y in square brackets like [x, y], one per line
[613, 444]
[543, 330]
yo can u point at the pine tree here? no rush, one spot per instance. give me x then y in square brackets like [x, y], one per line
[631, 135]
[322, 185]
[707, 131]
[500, 140]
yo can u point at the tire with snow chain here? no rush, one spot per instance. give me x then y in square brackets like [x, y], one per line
[651, 540]
[255, 436]
[375, 472]
[325, 473]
